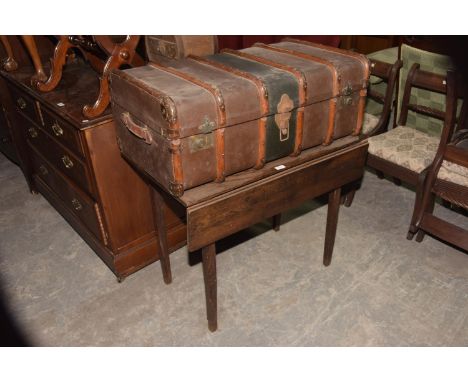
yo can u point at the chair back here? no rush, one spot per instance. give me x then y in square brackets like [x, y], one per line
[422, 79]
[387, 73]
[431, 60]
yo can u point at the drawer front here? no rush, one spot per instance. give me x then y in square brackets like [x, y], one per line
[76, 200]
[60, 157]
[62, 131]
[24, 104]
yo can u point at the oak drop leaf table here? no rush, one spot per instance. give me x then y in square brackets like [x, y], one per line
[217, 210]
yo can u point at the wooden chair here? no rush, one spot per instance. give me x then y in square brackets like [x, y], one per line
[405, 153]
[447, 178]
[378, 124]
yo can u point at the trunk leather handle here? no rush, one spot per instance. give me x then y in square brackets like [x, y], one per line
[141, 132]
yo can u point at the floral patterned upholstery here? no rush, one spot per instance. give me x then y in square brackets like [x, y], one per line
[406, 147]
[369, 122]
[454, 173]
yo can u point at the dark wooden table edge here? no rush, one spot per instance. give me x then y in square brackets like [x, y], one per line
[313, 153]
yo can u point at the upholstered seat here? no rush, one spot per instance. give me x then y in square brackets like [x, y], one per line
[370, 121]
[406, 147]
[453, 173]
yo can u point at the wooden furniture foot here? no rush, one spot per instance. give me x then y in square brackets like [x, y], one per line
[332, 222]
[56, 66]
[380, 174]
[396, 181]
[418, 202]
[446, 204]
[425, 206]
[121, 279]
[158, 204]
[209, 276]
[9, 64]
[40, 75]
[276, 222]
[420, 235]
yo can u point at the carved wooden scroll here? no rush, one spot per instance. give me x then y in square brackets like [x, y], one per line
[95, 49]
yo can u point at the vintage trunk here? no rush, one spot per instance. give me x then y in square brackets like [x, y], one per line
[173, 46]
[199, 119]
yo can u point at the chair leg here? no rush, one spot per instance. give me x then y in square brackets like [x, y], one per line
[420, 236]
[397, 181]
[413, 228]
[429, 210]
[446, 204]
[276, 222]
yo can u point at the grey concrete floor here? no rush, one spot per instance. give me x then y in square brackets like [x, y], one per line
[380, 290]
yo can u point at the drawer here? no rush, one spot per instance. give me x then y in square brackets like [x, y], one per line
[60, 157]
[24, 104]
[80, 204]
[61, 130]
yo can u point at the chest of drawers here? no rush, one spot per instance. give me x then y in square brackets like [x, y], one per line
[76, 165]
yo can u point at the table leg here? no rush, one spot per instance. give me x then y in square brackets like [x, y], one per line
[158, 204]
[332, 221]
[349, 198]
[209, 276]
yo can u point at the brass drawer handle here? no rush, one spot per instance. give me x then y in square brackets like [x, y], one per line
[76, 204]
[43, 169]
[67, 161]
[33, 132]
[21, 103]
[58, 131]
